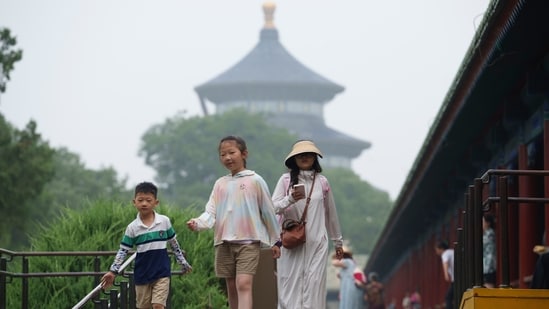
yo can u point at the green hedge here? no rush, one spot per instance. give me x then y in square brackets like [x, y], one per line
[100, 227]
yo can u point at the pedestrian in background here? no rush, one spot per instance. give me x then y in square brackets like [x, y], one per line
[351, 287]
[447, 256]
[488, 251]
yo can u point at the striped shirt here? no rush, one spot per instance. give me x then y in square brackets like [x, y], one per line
[152, 261]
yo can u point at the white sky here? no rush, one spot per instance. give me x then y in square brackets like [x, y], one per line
[96, 75]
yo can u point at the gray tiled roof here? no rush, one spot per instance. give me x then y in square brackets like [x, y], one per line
[328, 139]
[269, 71]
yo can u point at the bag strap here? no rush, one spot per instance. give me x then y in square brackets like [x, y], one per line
[304, 215]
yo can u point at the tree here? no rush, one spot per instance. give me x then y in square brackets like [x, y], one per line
[25, 167]
[184, 152]
[74, 184]
[8, 56]
[38, 181]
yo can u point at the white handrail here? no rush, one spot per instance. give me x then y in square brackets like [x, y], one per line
[100, 285]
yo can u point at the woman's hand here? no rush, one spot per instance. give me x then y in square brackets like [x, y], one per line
[339, 253]
[297, 194]
[276, 251]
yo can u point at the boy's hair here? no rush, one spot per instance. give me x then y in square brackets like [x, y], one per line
[146, 187]
[442, 244]
[240, 143]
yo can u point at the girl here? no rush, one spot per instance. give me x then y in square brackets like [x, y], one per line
[241, 212]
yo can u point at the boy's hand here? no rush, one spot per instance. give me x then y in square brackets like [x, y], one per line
[186, 268]
[107, 280]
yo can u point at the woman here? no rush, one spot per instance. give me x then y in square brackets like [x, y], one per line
[301, 272]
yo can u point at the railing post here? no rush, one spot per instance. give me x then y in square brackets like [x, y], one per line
[504, 228]
[3, 283]
[97, 279]
[113, 299]
[477, 231]
[459, 257]
[132, 291]
[469, 231]
[123, 295]
[25, 284]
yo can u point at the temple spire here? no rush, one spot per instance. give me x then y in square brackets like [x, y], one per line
[268, 10]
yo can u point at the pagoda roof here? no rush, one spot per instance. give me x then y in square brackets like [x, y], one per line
[314, 128]
[269, 71]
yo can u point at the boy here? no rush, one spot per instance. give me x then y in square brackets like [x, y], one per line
[149, 232]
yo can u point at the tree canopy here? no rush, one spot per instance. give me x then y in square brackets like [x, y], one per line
[39, 181]
[73, 184]
[26, 165]
[8, 56]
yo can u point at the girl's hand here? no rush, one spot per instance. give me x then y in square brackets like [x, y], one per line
[191, 224]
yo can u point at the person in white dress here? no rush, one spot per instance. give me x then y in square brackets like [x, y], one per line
[301, 272]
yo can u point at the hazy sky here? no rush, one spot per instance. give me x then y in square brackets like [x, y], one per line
[96, 75]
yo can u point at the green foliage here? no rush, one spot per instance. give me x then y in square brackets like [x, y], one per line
[362, 209]
[38, 181]
[100, 227]
[25, 167]
[8, 56]
[73, 184]
[185, 156]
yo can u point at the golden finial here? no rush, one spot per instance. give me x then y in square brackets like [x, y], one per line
[268, 10]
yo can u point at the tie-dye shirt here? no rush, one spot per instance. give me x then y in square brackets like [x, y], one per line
[241, 209]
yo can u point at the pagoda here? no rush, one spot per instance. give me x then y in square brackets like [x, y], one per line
[271, 81]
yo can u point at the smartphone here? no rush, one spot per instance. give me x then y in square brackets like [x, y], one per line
[300, 188]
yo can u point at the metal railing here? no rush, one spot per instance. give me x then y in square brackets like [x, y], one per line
[121, 297]
[469, 247]
[98, 288]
